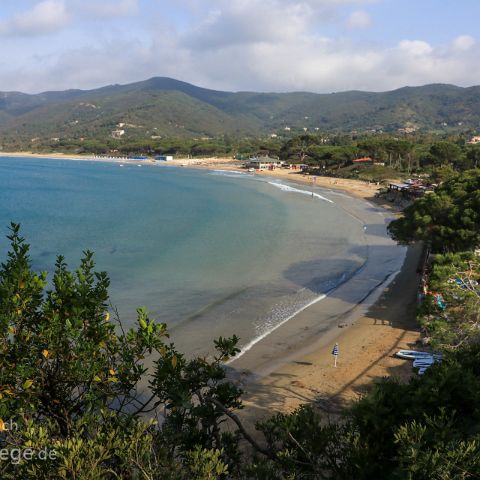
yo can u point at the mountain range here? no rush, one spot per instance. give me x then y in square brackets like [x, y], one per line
[161, 107]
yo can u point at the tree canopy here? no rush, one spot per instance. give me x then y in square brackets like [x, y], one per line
[447, 219]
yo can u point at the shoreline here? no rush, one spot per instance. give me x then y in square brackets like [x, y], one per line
[367, 346]
[353, 187]
[273, 388]
[380, 324]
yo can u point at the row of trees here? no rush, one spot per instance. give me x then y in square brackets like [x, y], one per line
[450, 311]
[447, 221]
[400, 154]
[327, 152]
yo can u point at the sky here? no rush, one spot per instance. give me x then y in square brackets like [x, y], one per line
[236, 45]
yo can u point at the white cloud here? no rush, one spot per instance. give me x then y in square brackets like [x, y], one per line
[250, 21]
[416, 48]
[105, 8]
[260, 45]
[464, 42]
[49, 16]
[45, 17]
[359, 19]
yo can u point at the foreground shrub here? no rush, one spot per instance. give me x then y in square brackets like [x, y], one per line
[70, 406]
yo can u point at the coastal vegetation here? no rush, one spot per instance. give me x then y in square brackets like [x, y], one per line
[70, 384]
[438, 156]
[450, 311]
[448, 219]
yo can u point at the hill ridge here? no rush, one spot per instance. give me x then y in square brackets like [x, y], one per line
[163, 106]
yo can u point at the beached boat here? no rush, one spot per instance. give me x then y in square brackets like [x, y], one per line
[421, 360]
[413, 354]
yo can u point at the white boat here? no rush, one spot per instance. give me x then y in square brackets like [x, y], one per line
[413, 354]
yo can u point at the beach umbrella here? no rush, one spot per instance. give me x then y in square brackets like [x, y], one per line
[335, 352]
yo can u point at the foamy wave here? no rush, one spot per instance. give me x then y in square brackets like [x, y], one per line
[268, 331]
[287, 188]
[229, 173]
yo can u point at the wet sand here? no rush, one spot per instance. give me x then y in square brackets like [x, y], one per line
[366, 355]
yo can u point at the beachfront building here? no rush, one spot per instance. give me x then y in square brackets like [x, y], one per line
[163, 158]
[264, 163]
[411, 188]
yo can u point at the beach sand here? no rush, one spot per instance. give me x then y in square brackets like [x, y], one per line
[366, 355]
[355, 188]
[306, 373]
[60, 156]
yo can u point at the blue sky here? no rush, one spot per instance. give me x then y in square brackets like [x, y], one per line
[261, 45]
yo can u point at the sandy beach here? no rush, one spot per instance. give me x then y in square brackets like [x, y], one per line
[367, 350]
[370, 331]
[387, 323]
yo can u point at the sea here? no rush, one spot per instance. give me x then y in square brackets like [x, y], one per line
[209, 252]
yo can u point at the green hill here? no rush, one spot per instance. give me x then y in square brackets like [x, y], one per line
[168, 107]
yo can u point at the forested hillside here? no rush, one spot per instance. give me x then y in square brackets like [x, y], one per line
[168, 107]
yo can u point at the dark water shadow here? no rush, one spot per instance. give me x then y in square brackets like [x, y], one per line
[326, 275]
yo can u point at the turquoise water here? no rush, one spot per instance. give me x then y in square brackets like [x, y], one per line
[210, 253]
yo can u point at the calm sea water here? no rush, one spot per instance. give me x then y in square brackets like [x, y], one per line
[210, 253]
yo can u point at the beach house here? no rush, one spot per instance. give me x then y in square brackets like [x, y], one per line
[264, 163]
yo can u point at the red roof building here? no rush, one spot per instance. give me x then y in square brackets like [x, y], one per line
[363, 160]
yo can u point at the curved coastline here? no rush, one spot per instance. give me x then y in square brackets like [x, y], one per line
[316, 324]
[318, 320]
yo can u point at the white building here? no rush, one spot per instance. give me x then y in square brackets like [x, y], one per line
[118, 133]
